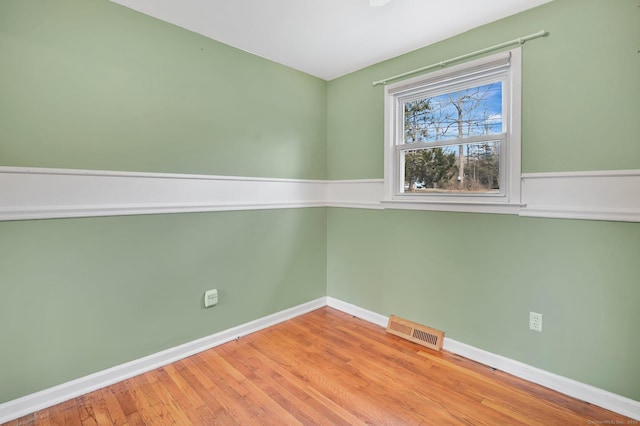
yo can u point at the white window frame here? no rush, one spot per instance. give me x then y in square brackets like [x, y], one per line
[505, 65]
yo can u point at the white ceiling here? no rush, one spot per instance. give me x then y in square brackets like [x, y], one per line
[329, 38]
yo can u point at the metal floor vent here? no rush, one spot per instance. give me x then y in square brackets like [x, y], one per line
[417, 333]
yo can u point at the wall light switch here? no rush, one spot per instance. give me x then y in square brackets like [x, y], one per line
[210, 298]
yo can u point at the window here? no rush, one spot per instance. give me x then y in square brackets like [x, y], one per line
[453, 138]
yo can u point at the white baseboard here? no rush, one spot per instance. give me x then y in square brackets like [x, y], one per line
[605, 399]
[573, 388]
[37, 401]
[46, 398]
[357, 311]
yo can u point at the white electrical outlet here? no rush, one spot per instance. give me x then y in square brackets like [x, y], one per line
[210, 298]
[535, 321]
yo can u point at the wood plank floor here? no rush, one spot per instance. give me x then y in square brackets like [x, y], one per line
[324, 368]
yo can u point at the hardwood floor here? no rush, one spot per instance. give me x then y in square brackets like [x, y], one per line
[327, 368]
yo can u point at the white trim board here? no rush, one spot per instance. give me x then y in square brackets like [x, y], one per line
[28, 193]
[572, 388]
[40, 193]
[355, 193]
[597, 195]
[46, 398]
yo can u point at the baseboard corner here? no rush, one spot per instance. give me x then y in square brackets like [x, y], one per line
[28, 404]
[605, 399]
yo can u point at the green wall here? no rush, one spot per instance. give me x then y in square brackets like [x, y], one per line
[89, 84]
[580, 91]
[82, 295]
[477, 276]
[92, 85]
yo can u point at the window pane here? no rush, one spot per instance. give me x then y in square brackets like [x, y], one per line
[470, 168]
[468, 112]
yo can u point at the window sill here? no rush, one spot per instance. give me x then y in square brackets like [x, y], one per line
[454, 206]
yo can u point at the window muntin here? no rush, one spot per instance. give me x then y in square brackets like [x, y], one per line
[453, 136]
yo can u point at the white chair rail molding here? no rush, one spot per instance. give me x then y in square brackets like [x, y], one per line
[42, 193]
